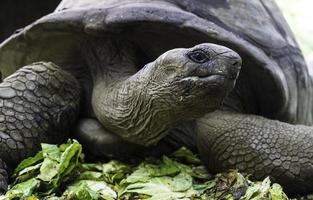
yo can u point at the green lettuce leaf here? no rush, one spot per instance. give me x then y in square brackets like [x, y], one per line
[89, 190]
[58, 173]
[22, 190]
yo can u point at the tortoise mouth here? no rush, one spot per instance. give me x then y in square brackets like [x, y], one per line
[214, 77]
[209, 77]
[212, 80]
[225, 75]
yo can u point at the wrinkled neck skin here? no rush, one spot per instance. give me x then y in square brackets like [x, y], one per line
[109, 60]
[127, 102]
[241, 99]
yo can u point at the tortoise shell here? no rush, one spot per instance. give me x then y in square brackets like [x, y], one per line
[272, 61]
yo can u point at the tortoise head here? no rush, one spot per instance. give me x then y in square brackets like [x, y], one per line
[196, 79]
[182, 84]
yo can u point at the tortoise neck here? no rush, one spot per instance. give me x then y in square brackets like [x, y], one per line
[233, 102]
[109, 59]
[241, 99]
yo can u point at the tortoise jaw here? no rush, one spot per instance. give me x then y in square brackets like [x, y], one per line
[215, 75]
[213, 78]
[211, 81]
[220, 75]
[207, 78]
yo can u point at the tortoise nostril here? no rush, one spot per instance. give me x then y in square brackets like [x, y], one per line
[235, 63]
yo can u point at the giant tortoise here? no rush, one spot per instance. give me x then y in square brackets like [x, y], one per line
[100, 82]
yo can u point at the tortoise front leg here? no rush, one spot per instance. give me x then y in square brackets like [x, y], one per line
[258, 146]
[39, 103]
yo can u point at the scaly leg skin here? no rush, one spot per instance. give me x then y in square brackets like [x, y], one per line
[39, 103]
[258, 146]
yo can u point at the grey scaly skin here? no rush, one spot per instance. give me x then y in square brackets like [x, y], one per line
[182, 84]
[38, 104]
[41, 102]
[135, 110]
[226, 139]
[258, 146]
[138, 110]
[273, 83]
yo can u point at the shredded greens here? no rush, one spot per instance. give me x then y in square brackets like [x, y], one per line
[59, 173]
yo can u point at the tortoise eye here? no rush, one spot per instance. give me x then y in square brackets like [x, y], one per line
[198, 56]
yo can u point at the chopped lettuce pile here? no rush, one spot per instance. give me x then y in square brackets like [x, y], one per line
[59, 173]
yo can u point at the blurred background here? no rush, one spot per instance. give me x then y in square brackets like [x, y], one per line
[15, 14]
[299, 15]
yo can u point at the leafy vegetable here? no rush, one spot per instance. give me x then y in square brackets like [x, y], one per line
[59, 173]
[44, 173]
[184, 154]
[276, 193]
[89, 190]
[24, 189]
[29, 162]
